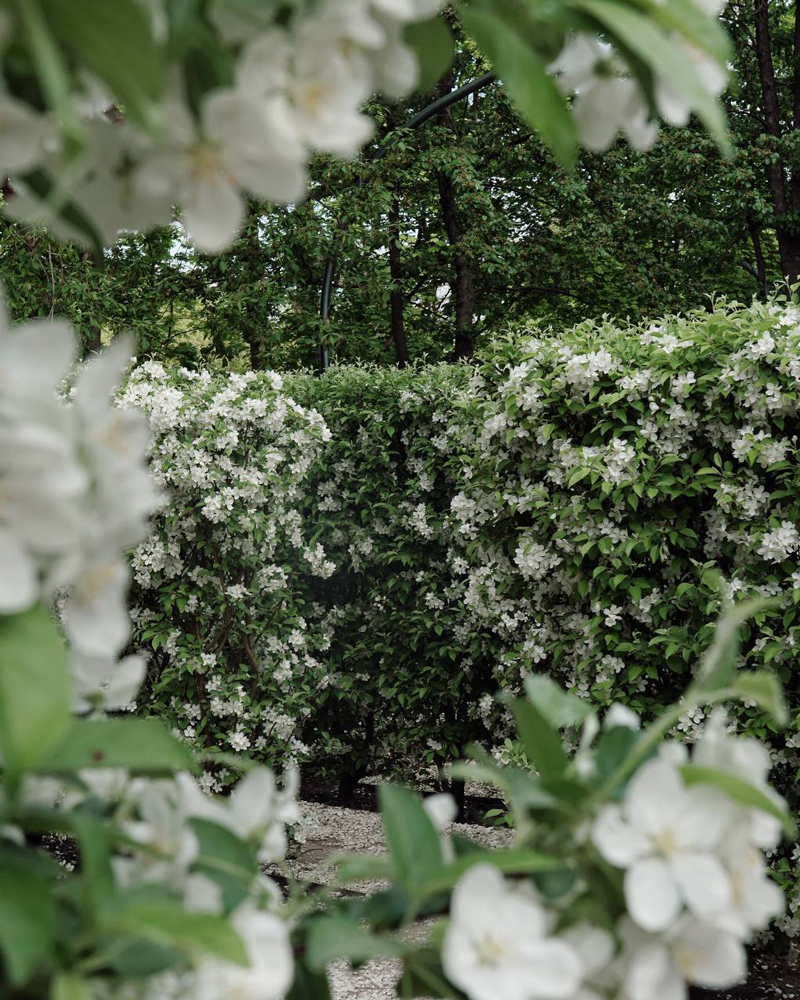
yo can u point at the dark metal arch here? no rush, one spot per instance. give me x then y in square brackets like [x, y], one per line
[419, 119]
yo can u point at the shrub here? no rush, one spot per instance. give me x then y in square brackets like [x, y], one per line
[581, 504]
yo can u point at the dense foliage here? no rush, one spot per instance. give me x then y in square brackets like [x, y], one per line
[573, 505]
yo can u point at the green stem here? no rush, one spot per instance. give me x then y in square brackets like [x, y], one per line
[654, 734]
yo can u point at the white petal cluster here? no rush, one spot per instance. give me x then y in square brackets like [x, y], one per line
[74, 493]
[696, 886]
[695, 889]
[498, 945]
[296, 89]
[608, 100]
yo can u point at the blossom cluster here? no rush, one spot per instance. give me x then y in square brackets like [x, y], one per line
[153, 108]
[695, 888]
[233, 660]
[296, 88]
[75, 491]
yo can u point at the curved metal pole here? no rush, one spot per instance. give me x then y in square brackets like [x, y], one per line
[419, 119]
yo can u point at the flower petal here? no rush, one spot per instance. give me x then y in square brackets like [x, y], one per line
[18, 583]
[709, 957]
[654, 798]
[652, 894]
[618, 841]
[703, 881]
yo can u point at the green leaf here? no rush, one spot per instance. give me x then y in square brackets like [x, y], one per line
[525, 78]
[558, 706]
[665, 58]
[700, 30]
[194, 934]
[766, 691]
[26, 922]
[97, 884]
[226, 860]
[142, 746]
[35, 687]
[541, 741]
[739, 790]
[411, 837]
[423, 976]
[115, 42]
[69, 986]
[336, 936]
[719, 664]
[433, 45]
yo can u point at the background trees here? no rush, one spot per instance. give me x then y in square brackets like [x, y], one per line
[465, 224]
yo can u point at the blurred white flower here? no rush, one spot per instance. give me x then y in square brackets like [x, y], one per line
[605, 101]
[692, 953]
[100, 683]
[668, 838]
[497, 943]
[271, 969]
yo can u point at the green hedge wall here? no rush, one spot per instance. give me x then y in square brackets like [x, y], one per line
[399, 545]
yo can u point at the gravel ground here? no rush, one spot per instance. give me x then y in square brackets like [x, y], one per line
[334, 830]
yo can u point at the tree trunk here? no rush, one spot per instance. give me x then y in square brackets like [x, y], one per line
[396, 293]
[463, 283]
[788, 243]
[761, 267]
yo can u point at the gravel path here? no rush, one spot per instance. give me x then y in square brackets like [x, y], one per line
[333, 830]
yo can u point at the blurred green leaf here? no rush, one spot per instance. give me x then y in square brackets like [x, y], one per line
[35, 687]
[141, 746]
[411, 837]
[333, 937]
[434, 46]
[766, 691]
[525, 78]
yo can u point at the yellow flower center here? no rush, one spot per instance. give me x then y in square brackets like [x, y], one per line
[489, 950]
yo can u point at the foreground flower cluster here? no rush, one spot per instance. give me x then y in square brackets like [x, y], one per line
[151, 106]
[695, 889]
[76, 491]
[168, 885]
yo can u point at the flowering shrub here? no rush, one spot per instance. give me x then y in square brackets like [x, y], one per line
[578, 505]
[234, 662]
[636, 871]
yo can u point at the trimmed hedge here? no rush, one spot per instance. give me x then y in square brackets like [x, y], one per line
[578, 503]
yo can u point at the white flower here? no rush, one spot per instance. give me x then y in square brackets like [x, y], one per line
[270, 972]
[496, 945]
[692, 953]
[100, 683]
[605, 102]
[25, 135]
[672, 105]
[247, 142]
[595, 949]
[755, 898]
[667, 837]
[621, 715]
[749, 760]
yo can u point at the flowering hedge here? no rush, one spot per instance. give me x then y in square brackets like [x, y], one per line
[580, 504]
